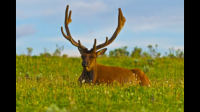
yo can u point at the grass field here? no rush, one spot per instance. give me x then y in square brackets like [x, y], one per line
[47, 84]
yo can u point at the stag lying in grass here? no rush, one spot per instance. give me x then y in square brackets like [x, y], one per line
[97, 73]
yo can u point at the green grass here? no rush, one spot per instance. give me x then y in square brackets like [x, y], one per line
[44, 84]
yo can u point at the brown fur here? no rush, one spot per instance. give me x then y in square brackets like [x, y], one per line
[108, 74]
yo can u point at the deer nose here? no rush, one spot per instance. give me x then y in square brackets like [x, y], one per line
[84, 64]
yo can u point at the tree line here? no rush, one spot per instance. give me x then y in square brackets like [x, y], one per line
[121, 52]
[152, 53]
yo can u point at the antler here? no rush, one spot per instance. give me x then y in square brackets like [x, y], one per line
[68, 36]
[121, 21]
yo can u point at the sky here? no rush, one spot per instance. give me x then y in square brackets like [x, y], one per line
[148, 22]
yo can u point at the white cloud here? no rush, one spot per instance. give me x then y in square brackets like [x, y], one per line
[25, 30]
[89, 9]
[33, 8]
[142, 23]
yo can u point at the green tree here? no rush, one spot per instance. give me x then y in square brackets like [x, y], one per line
[46, 53]
[171, 53]
[177, 53]
[158, 55]
[58, 50]
[150, 49]
[136, 52]
[111, 53]
[156, 47]
[120, 52]
[29, 50]
[64, 55]
[145, 54]
[181, 54]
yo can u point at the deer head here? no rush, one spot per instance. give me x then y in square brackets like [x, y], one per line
[89, 56]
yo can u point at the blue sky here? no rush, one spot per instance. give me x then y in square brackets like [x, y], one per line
[38, 24]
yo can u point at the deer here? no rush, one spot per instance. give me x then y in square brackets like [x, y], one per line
[94, 73]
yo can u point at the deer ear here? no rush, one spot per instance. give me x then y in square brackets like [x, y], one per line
[101, 52]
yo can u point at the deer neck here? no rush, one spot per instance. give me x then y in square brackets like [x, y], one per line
[91, 76]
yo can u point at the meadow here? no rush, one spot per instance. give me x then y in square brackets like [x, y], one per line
[51, 85]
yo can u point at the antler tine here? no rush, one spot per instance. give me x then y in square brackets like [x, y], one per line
[102, 45]
[121, 21]
[94, 46]
[71, 40]
[68, 36]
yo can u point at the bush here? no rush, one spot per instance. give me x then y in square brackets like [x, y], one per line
[64, 55]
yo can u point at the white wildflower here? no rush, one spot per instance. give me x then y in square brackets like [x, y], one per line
[83, 81]
[106, 92]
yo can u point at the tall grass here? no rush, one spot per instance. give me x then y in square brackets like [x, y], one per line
[46, 84]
